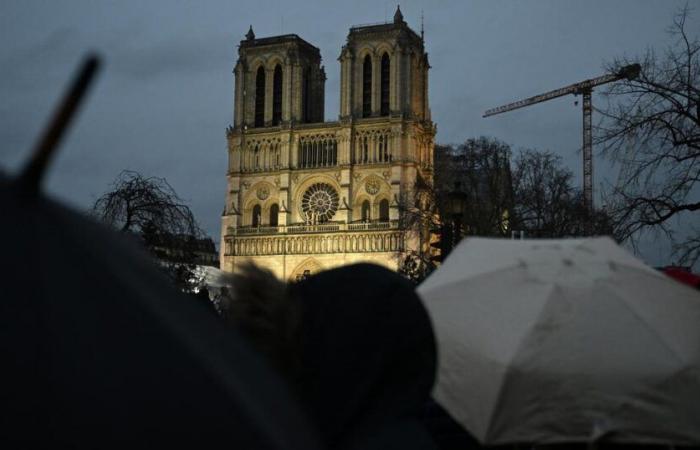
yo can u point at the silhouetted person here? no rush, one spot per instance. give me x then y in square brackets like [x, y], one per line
[356, 344]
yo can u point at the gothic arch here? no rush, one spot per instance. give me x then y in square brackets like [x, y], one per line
[363, 51]
[256, 63]
[357, 204]
[310, 265]
[382, 207]
[272, 61]
[366, 211]
[273, 213]
[385, 47]
[251, 195]
[256, 215]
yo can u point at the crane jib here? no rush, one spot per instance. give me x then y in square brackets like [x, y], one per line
[583, 88]
[630, 72]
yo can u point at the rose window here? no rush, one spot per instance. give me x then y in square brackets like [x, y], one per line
[319, 203]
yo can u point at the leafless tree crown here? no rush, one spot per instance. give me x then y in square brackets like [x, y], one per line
[141, 204]
[651, 129]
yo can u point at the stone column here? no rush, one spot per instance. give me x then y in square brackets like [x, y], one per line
[394, 80]
[408, 83]
[249, 98]
[426, 103]
[357, 82]
[284, 199]
[347, 146]
[296, 94]
[345, 193]
[234, 153]
[293, 152]
[287, 92]
[238, 95]
[346, 62]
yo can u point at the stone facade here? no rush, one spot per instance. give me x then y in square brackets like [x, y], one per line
[304, 195]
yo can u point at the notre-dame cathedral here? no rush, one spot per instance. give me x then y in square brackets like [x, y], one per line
[304, 195]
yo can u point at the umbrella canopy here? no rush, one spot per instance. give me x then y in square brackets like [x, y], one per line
[554, 341]
[99, 351]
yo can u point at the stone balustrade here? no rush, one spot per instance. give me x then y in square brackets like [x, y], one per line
[361, 242]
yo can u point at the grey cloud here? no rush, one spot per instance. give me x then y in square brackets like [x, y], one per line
[173, 56]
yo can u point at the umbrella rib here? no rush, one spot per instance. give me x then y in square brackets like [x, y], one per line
[509, 369]
[622, 300]
[497, 271]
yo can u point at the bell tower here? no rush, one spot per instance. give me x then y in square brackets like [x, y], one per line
[384, 72]
[278, 80]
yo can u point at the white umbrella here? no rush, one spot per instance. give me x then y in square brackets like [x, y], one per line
[546, 341]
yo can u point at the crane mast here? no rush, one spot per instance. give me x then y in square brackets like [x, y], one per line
[583, 88]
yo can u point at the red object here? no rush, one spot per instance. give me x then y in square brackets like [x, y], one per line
[683, 275]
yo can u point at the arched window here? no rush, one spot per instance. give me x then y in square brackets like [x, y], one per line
[256, 216]
[384, 210]
[277, 96]
[386, 65]
[274, 211]
[260, 97]
[367, 87]
[365, 211]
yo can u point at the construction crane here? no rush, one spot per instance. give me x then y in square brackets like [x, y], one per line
[583, 88]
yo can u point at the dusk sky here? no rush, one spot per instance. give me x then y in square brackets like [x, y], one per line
[165, 96]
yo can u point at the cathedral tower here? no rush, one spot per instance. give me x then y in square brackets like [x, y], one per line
[384, 72]
[304, 194]
[279, 80]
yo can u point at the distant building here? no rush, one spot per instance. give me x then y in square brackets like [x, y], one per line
[305, 195]
[184, 249]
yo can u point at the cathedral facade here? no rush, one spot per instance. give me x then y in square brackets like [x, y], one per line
[305, 195]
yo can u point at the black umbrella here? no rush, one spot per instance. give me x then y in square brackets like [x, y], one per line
[100, 351]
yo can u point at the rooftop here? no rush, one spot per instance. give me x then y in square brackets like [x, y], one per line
[252, 41]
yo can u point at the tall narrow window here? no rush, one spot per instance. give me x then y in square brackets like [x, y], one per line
[386, 65]
[274, 211]
[365, 211]
[306, 95]
[260, 97]
[367, 87]
[277, 96]
[384, 210]
[256, 216]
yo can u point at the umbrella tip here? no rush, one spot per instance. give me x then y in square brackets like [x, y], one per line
[31, 176]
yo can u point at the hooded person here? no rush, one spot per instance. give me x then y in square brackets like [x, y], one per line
[355, 343]
[368, 357]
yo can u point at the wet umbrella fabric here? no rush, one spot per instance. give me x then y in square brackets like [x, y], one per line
[100, 352]
[564, 341]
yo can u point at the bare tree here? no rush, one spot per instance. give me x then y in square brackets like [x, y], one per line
[479, 171]
[546, 203]
[651, 128]
[149, 208]
[420, 218]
